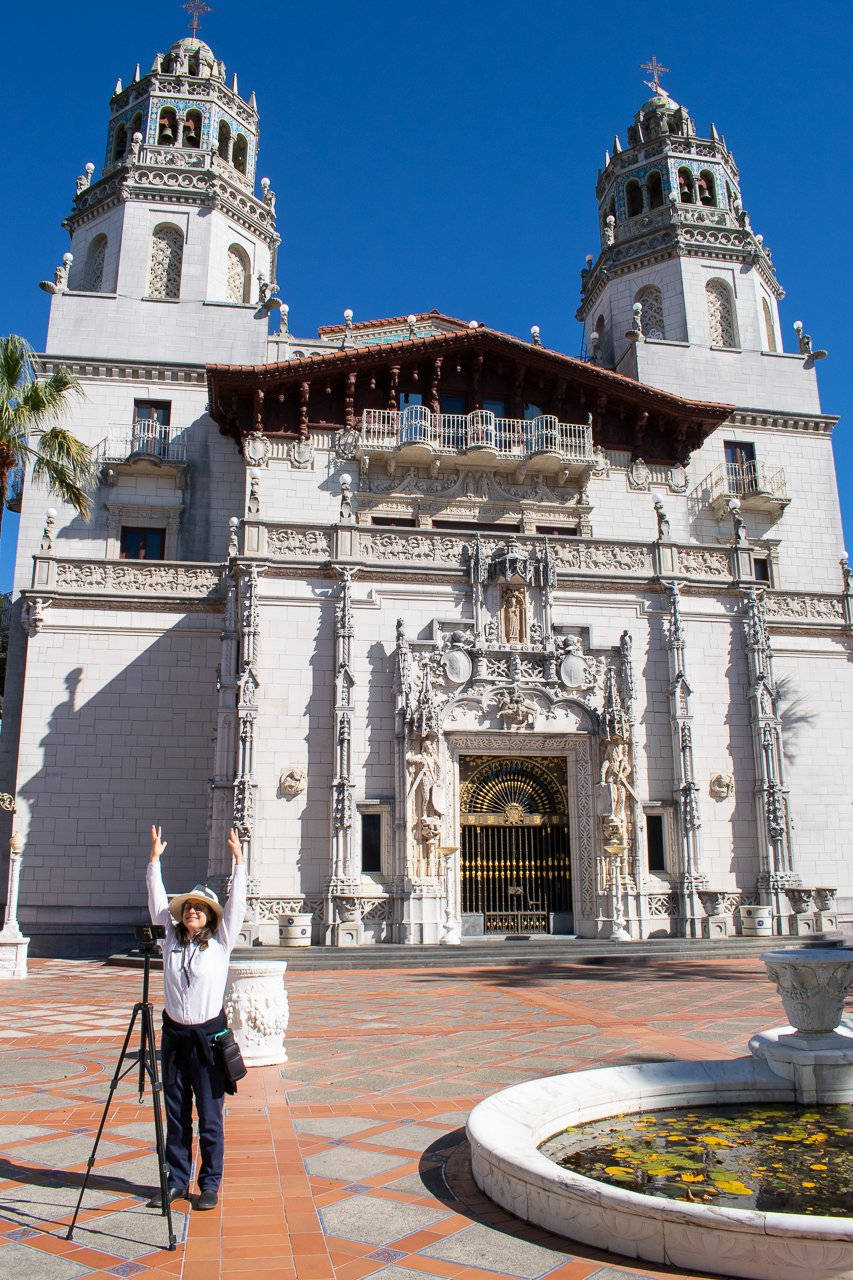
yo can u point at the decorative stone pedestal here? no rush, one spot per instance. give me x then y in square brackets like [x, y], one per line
[802, 925]
[13, 944]
[826, 922]
[716, 922]
[715, 927]
[256, 1009]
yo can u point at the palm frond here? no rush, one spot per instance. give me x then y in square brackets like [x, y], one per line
[64, 483]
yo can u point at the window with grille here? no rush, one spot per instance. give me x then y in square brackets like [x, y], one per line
[651, 318]
[721, 319]
[167, 253]
[238, 274]
[93, 272]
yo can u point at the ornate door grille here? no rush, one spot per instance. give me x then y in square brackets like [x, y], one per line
[515, 843]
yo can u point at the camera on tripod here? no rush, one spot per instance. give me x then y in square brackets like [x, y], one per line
[147, 936]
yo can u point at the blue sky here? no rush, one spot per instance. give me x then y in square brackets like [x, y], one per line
[445, 154]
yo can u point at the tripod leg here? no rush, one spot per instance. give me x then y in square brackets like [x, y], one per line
[113, 1086]
[149, 1059]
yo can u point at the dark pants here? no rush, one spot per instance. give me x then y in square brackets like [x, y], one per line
[189, 1072]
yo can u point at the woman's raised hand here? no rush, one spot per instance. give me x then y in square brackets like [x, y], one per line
[157, 844]
[235, 846]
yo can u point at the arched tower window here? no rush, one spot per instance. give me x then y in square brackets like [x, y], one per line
[769, 327]
[167, 128]
[633, 198]
[707, 188]
[167, 254]
[654, 187]
[223, 147]
[192, 129]
[686, 193]
[721, 314]
[240, 155]
[120, 145]
[651, 319]
[239, 274]
[93, 270]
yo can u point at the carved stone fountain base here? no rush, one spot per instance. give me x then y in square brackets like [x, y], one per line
[820, 1067]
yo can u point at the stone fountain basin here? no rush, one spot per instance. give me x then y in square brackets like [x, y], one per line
[506, 1130]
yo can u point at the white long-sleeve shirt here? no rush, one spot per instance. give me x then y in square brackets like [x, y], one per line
[194, 980]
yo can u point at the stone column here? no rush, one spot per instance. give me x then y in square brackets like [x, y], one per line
[691, 875]
[13, 944]
[343, 915]
[776, 870]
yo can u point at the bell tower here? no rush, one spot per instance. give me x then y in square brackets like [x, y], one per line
[173, 256]
[682, 283]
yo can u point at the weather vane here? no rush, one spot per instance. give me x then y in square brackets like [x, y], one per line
[654, 67]
[195, 8]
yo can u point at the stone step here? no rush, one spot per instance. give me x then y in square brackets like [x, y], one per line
[530, 952]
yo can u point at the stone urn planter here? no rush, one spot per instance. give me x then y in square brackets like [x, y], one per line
[256, 1009]
[813, 985]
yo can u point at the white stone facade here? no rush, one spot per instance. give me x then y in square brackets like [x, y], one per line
[343, 653]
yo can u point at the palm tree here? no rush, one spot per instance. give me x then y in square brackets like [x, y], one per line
[31, 433]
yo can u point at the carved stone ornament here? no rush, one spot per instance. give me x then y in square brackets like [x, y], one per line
[300, 454]
[257, 1011]
[346, 444]
[639, 476]
[257, 449]
[721, 786]
[813, 985]
[292, 782]
[800, 900]
[457, 666]
[573, 671]
[514, 709]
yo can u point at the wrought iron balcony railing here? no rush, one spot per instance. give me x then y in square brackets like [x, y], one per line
[753, 484]
[144, 436]
[480, 430]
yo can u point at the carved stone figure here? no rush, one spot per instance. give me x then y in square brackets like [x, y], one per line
[292, 782]
[426, 805]
[721, 786]
[254, 503]
[346, 499]
[515, 710]
[613, 791]
[514, 617]
[663, 521]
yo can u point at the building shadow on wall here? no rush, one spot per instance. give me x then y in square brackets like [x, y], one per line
[115, 756]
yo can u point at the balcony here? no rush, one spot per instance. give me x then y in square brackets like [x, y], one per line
[756, 487]
[147, 437]
[415, 436]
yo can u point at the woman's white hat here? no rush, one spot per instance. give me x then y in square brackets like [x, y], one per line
[199, 893]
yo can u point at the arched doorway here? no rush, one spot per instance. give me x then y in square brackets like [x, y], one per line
[515, 863]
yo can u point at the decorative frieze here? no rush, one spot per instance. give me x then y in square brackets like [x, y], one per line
[135, 578]
[799, 607]
[297, 543]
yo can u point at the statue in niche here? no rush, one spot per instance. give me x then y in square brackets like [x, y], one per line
[613, 791]
[514, 617]
[426, 805]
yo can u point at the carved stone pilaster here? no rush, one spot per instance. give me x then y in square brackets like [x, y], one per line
[692, 876]
[777, 871]
[342, 869]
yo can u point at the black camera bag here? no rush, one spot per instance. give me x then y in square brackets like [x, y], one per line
[230, 1056]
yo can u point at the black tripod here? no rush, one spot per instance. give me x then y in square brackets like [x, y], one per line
[147, 1063]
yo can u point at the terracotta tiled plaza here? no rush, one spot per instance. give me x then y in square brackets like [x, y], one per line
[351, 1159]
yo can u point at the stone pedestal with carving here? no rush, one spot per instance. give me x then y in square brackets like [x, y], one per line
[256, 1009]
[716, 922]
[826, 917]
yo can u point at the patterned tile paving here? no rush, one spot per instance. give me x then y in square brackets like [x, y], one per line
[350, 1161]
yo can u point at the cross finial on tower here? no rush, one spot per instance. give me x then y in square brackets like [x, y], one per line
[656, 70]
[195, 8]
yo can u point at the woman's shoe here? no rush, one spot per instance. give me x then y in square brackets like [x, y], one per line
[174, 1193]
[207, 1200]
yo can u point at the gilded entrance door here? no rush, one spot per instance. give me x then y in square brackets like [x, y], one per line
[516, 868]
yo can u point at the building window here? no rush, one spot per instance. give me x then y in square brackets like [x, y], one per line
[656, 842]
[741, 471]
[142, 544]
[452, 404]
[654, 189]
[167, 254]
[371, 843]
[93, 271]
[120, 142]
[721, 314]
[224, 145]
[761, 569]
[651, 318]
[633, 198]
[769, 327]
[240, 155]
[686, 192]
[151, 427]
[707, 188]
[192, 129]
[557, 530]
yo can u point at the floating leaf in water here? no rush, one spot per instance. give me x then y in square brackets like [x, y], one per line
[692, 1177]
[821, 1167]
[615, 1171]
